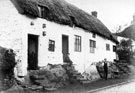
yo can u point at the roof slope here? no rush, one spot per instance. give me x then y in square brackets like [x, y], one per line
[60, 12]
[128, 32]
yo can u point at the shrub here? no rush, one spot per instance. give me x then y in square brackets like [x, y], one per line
[7, 64]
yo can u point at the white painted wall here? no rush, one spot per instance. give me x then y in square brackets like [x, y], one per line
[14, 30]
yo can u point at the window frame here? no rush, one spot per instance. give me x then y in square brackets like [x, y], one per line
[78, 43]
[114, 48]
[44, 11]
[107, 47]
[92, 45]
[51, 46]
[94, 35]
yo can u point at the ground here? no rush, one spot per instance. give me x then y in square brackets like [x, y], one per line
[80, 88]
[126, 88]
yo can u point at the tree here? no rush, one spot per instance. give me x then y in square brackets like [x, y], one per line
[124, 50]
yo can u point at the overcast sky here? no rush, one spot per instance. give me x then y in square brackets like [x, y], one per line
[111, 12]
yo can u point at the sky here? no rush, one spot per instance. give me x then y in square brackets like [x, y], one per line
[113, 13]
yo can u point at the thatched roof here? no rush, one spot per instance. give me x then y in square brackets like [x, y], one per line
[128, 32]
[62, 12]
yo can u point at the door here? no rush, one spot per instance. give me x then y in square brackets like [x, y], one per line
[32, 52]
[64, 44]
[65, 47]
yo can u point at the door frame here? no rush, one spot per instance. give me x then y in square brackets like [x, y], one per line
[67, 43]
[36, 37]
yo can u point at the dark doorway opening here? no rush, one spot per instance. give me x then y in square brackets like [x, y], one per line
[32, 52]
[65, 44]
[65, 48]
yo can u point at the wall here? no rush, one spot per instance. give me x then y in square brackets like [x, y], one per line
[16, 27]
[85, 58]
[10, 28]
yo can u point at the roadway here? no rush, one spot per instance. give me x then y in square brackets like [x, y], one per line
[123, 88]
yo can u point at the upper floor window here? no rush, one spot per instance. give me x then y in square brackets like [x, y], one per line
[94, 35]
[43, 11]
[77, 43]
[92, 46]
[73, 21]
[107, 47]
[51, 45]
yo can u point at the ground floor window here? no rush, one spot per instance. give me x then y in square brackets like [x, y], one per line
[92, 46]
[51, 45]
[114, 48]
[77, 43]
[108, 47]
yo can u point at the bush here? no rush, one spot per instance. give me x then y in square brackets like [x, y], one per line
[124, 51]
[7, 64]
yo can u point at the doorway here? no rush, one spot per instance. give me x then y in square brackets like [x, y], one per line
[32, 52]
[65, 47]
[65, 44]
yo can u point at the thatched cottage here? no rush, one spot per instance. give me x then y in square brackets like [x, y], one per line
[53, 31]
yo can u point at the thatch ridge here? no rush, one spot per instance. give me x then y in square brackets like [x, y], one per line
[60, 12]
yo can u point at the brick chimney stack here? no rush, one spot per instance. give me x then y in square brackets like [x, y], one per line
[94, 13]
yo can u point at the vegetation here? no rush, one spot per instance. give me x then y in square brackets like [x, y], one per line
[125, 51]
[7, 64]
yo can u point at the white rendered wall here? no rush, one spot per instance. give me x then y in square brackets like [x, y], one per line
[16, 27]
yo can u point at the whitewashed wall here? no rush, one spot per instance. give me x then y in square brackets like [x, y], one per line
[14, 30]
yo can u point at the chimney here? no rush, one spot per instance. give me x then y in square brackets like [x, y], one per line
[94, 13]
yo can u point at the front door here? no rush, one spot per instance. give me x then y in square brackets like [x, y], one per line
[65, 50]
[32, 52]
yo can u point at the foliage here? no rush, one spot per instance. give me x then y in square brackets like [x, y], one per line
[7, 64]
[124, 50]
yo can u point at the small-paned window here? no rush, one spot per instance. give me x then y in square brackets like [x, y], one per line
[114, 48]
[92, 46]
[77, 43]
[107, 47]
[51, 45]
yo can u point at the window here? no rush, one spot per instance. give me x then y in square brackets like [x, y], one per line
[92, 46]
[73, 21]
[51, 45]
[44, 11]
[94, 35]
[77, 43]
[114, 48]
[107, 47]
